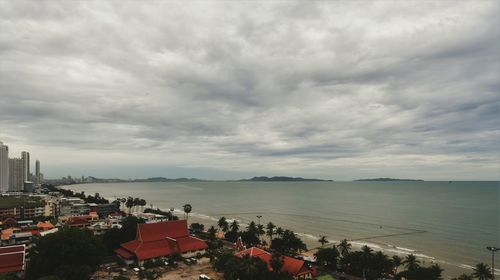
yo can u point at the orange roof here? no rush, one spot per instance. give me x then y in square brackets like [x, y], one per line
[291, 265]
[45, 225]
[6, 233]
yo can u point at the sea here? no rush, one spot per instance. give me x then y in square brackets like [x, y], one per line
[449, 223]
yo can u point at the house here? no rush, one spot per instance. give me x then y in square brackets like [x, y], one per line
[12, 258]
[162, 239]
[297, 268]
[44, 226]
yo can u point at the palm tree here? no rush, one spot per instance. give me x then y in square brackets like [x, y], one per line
[482, 272]
[270, 230]
[344, 247]
[137, 202]
[323, 240]
[212, 233]
[129, 203]
[279, 231]
[223, 224]
[367, 253]
[463, 276]
[234, 227]
[411, 263]
[187, 209]
[396, 263]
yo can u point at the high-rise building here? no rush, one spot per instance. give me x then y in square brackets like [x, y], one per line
[26, 165]
[37, 172]
[4, 168]
[16, 181]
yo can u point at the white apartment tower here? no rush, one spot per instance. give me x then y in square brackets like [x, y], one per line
[26, 165]
[16, 182]
[4, 168]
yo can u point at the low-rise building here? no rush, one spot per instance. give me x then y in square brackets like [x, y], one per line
[12, 259]
[162, 239]
[299, 269]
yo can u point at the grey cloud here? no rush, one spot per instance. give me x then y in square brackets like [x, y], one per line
[307, 87]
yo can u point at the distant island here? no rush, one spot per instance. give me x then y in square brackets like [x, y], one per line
[283, 179]
[389, 179]
[91, 179]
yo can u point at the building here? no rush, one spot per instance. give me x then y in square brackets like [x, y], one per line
[4, 168]
[162, 239]
[299, 269]
[104, 210]
[25, 156]
[16, 181]
[37, 173]
[12, 259]
[28, 186]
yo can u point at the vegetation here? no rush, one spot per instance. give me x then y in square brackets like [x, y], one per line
[158, 211]
[69, 253]
[327, 257]
[187, 209]
[482, 272]
[96, 198]
[114, 237]
[323, 240]
[248, 268]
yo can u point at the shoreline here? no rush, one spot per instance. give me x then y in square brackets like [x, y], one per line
[452, 269]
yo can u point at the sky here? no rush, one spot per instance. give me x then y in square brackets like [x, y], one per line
[224, 90]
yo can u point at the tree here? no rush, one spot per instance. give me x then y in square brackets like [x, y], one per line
[482, 272]
[323, 240]
[288, 243]
[113, 238]
[411, 263]
[366, 253]
[279, 231]
[270, 230]
[277, 262]
[197, 227]
[69, 253]
[463, 276]
[397, 261]
[327, 257]
[223, 224]
[129, 203]
[187, 209]
[212, 233]
[344, 247]
[234, 226]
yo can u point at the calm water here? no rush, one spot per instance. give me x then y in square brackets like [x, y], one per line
[450, 223]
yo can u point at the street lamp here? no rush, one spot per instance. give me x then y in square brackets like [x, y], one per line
[493, 250]
[258, 229]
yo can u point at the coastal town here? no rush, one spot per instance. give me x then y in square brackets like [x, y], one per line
[49, 231]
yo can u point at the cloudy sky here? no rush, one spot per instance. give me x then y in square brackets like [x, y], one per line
[222, 90]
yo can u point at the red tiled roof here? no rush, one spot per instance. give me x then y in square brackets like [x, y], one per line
[291, 265]
[12, 258]
[190, 243]
[162, 239]
[155, 231]
[124, 253]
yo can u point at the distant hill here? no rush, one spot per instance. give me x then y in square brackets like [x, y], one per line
[389, 179]
[283, 179]
[163, 179]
